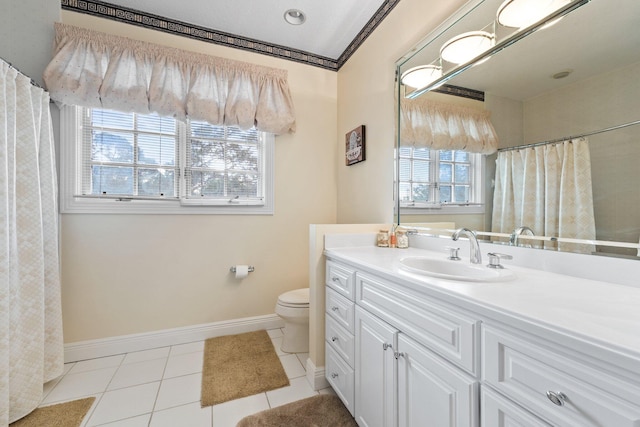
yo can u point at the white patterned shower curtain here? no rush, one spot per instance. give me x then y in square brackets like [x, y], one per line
[547, 188]
[31, 349]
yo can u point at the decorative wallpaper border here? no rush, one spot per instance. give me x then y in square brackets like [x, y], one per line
[172, 26]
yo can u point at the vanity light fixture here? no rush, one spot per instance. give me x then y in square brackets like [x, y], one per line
[420, 76]
[522, 13]
[466, 46]
[295, 17]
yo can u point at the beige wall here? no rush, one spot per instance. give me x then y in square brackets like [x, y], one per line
[124, 274]
[26, 31]
[366, 96]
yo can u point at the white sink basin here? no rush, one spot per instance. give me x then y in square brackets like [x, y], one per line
[455, 270]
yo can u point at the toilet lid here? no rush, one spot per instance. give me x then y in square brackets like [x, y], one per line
[297, 297]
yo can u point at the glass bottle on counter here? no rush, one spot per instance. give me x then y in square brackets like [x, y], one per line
[402, 240]
[383, 238]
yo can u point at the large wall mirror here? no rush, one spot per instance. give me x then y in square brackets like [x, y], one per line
[572, 73]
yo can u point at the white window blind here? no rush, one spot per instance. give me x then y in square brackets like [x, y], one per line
[437, 178]
[223, 163]
[161, 165]
[128, 154]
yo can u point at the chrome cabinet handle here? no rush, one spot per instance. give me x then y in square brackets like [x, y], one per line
[385, 346]
[336, 279]
[334, 339]
[556, 397]
[334, 375]
[335, 308]
[398, 355]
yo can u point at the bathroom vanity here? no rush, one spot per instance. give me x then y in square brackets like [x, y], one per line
[539, 349]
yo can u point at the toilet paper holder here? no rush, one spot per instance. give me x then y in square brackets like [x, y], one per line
[250, 269]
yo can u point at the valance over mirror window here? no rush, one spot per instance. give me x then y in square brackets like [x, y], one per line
[93, 69]
[440, 126]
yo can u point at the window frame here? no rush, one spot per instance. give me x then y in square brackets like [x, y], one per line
[477, 206]
[71, 152]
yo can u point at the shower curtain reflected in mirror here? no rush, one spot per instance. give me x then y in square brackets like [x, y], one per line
[31, 348]
[547, 188]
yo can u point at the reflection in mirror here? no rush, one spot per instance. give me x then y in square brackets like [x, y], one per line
[576, 80]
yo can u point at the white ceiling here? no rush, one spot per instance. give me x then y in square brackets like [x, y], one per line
[329, 28]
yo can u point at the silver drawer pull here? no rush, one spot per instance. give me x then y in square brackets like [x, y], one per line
[334, 375]
[385, 346]
[335, 308]
[557, 397]
[334, 339]
[336, 279]
[398, 355]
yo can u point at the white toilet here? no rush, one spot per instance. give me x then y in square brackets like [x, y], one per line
[293, 308]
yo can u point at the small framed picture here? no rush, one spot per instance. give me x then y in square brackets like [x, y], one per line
[355, 148]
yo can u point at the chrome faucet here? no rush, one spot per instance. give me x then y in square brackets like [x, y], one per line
[474, 247]
[513, 240]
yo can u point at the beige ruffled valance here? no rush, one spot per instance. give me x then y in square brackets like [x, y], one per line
[425, 123]
[94, 69]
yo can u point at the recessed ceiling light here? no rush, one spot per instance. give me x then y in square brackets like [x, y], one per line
[294, 17]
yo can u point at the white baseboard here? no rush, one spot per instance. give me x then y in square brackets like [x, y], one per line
[92, 349]
[315, 376]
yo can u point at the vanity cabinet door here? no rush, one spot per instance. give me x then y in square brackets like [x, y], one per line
[431, 391]
[375, 371]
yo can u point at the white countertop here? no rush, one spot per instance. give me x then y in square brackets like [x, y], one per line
[603, 316]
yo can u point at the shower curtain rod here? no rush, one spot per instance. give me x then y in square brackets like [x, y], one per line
[33, 82]
[553, 141]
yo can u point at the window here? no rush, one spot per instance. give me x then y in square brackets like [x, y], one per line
[152, 164]
[446, 180]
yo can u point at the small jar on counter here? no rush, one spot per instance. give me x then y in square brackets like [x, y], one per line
[383, 238]
[402, 240]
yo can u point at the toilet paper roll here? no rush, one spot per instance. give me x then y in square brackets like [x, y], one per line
[242, 271]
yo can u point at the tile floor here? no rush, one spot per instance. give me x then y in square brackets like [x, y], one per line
[161, 388]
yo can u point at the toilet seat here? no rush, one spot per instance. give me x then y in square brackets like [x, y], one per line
[298, 298]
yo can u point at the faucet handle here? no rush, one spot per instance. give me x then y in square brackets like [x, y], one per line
[453, 253]
[494, 259]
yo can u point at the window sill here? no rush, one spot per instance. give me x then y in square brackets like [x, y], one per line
[80, 205]
[442, 210]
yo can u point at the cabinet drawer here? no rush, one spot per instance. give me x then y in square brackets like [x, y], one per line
[497, 411]
[341, 309]
[340, 278]
[438, 327]
[341, 340]
[341, 377]
[534, 376]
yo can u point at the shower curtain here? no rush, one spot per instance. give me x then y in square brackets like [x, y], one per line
[547, 188]
[31, 349]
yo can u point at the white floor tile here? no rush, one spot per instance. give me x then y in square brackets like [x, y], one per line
[179, 391]
[100, 363]
[277, 343]
[187, 348]
[140, 356]
[275, 333]
[302, 357]
[138, 373]
[125, 403]
[191, 415]
[83, 384]
[139, 421]
[299, 389]
[228, 414]
[184, 364]
[292, 366]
